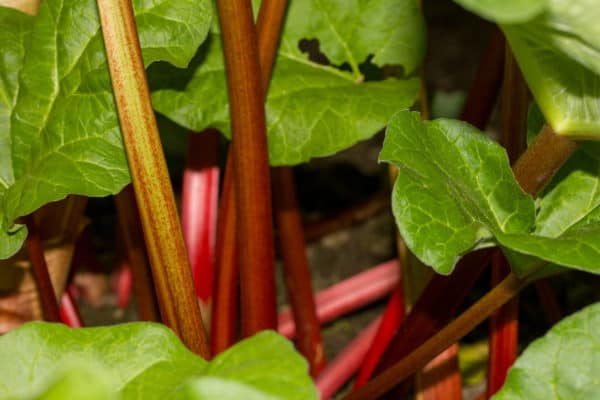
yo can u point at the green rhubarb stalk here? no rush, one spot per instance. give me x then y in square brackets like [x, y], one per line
[154, 194]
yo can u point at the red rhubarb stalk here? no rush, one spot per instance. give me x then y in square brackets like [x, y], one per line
[486, 85]
[440, 379]
[39, 269]
[349, 295]
[69, 313]
[504, 330]
[296, 270]
[287, 215]
[199, 206]
[548, 300]
[250, 160]
[341, 369]
[134, 269]
[225, 305]
[153, 191]
[504, 323]
[391, 320]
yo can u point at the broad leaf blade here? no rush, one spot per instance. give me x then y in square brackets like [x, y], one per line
[145, 361]
[567, 230]
[557, 46]
[455, 190]
[267, 363]
[209, 388]
[313, 110]
[564, 364]
[125, 355]
[59, 129]
[567, 92]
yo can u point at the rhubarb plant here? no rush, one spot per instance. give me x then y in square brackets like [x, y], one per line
[59, 132]
[455, 191]
[312, 109]
[145, 361]
[561, 365]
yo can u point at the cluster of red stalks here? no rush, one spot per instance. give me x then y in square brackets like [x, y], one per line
[230, 241]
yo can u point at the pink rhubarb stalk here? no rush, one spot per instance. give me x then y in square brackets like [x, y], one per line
[391, 321]
[341, 369]
[199, 206]
[347, 296]
[69, 313]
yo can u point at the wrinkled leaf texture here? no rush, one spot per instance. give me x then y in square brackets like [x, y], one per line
[312, 109]
[455, 192]
[59, 132]
[564, 364]
[145, 361]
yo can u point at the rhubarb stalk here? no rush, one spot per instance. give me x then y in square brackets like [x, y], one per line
[136, 257]
[69, 314]
[504, 323]
[348, 295]
[154, 194]
[486, 84]
[200, 195]
[39, 269]
[341, 369]
[225, 305]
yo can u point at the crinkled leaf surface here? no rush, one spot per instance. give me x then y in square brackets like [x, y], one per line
[564, 364]
[455, 190]
[267, 363]
[567, 230]
[59, 132]
[506, 11]
[146, 361]
[566, 203]
[455, 193]
[313, 110]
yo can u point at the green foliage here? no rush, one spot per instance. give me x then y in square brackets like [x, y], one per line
[507, 11]
[564, 364]
[557, 46]
[455, 193]
[59, 132]
[312, 109]
[455, 190]
[145, 361]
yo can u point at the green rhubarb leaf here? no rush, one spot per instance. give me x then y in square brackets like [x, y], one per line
[81, 382]
[566, 206]
[506, 11]
[567, 92]
[139, 360]
[455, 190]
[215, 388]
[59, 132]
[312, 109]
[567, 230]
[557, 46]
[564, 364]
[267, 363]
[145, 361]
